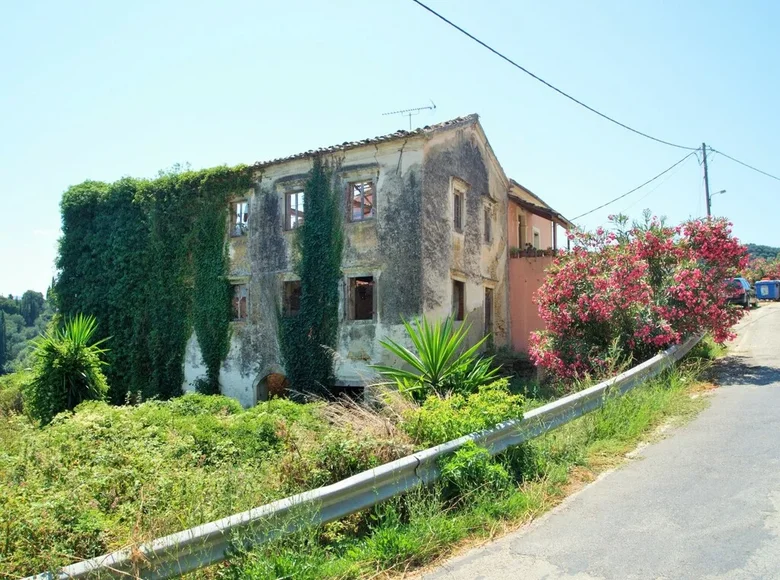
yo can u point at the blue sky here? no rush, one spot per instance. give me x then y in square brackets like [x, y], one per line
[99, 90]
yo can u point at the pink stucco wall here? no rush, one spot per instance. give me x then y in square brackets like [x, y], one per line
[525, 277]
[532, 221]
[545, 230]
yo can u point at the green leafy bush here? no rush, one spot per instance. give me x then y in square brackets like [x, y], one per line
[439, 365]
[443, 419]
[102, 477]
[11, 392]
[471, 468]
[67, 369]
[339, 455]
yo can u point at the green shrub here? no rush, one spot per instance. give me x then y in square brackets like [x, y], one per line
[472, 469]
[440, 365]
[443, 419]
[11, 387]
[67, 369]
[102, 477]
[339, 455]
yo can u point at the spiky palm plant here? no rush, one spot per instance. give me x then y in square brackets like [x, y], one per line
[439, 364]
[67, 369]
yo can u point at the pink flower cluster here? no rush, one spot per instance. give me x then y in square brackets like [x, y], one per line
[624, 295]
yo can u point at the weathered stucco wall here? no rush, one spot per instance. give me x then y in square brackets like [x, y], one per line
[526, 276]
[410, 248]
[387, 247]
[460, 159]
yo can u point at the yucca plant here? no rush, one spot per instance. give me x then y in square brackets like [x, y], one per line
[67, 369]
[439, 364]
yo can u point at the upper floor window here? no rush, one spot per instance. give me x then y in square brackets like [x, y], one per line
[457, 210]
[488, 228]
[361, 200]
[521, 229]
[240, 301]
[537, 239]
[293, 205]
[239, 223]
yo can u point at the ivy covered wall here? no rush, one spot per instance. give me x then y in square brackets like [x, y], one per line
[148, 258]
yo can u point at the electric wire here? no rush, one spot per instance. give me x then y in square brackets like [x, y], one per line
[745, 164]
[665, 171]
[541, 80]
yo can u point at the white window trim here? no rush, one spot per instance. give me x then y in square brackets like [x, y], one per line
[457, 185]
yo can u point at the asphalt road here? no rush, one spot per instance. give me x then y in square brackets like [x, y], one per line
[702, 503]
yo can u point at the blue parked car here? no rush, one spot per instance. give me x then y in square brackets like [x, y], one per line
[740, 292]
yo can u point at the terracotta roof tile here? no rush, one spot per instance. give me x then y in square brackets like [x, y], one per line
[401, 134]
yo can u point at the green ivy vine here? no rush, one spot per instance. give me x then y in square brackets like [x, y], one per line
[308, 339]
[148, 258]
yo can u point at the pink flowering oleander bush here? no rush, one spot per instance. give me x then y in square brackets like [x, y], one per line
[621, 296]
[762, 269]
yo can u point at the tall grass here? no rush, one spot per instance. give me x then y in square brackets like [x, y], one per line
[428, 524]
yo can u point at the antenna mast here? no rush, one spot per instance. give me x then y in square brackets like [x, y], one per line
[411, 112]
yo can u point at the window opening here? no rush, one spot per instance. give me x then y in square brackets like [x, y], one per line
[458, 299]
[294, 209]
[240, 301]
[240, 219]
[361, 197]
[361, 298]
[292, 297]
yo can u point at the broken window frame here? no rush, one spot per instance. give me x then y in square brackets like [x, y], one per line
[239, 292]
[291, 295]
[362, 216]
[293, 222]
[239, 218]
[352, 297]
[458, 300]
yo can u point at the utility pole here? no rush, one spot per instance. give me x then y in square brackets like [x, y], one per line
[706, 180]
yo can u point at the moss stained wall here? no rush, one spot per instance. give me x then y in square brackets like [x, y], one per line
[463, 155]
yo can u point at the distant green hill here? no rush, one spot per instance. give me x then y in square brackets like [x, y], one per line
[758, 251]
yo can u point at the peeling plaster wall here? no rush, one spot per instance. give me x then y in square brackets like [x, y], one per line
[410, 248]
[461, 158]
[387, 247]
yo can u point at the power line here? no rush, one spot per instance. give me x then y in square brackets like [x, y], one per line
[541, 80]
[652, 190]
[745, 164]
[665, 171]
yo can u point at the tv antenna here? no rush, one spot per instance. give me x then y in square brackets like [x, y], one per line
[411, 112]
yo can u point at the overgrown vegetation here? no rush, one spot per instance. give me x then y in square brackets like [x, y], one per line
[21, 320]
[68, 369]
[479, 496]
[148, 259]
[307, 339]
[102, 476]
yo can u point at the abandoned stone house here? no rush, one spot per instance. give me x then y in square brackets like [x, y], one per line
[431, 225]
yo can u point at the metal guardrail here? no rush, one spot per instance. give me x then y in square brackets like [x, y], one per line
[210, 543]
